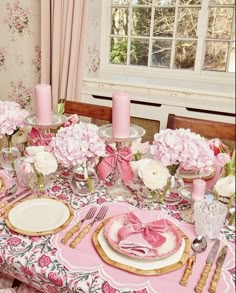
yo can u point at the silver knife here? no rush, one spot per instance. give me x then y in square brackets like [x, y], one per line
[5, 203]
[209, 261]
[219, 263]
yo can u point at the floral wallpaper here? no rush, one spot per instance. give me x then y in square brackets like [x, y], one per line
[20, 55]
[19, 50]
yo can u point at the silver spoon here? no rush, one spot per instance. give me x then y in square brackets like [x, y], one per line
[11, 190]
[199, 245]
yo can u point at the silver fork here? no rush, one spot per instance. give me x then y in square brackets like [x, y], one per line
[76, 228]
[100, 215]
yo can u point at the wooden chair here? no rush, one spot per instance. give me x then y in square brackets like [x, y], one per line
[95, 112]
[207, 128]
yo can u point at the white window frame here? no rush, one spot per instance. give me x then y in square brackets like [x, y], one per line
[210, 91]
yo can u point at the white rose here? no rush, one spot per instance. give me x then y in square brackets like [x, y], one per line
[153, 174]
[45, 163]
[225, 186]
[135, 165]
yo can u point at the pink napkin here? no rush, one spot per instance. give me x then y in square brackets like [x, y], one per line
[141, 239]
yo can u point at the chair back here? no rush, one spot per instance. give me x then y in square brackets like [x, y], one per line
[206, 128]
[93, 111]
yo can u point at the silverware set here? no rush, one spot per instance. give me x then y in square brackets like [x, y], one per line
[90, 215]
[207, 268]
[12, 197]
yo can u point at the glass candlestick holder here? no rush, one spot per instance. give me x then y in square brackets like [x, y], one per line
[119, 191]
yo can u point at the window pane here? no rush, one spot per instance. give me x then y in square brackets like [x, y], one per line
[190, 2]
[232, 59]
[139, 52]
[220, 23]
[164, 22]
[119, 21]
[120, 2]
[161, 53]
[118, 52]
[164, 2]
[216, 56]
[218, 2]
[141, 2]
[187, 22]
[185, 53]
[141, 21]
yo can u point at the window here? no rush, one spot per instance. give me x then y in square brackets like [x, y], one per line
[192, 35]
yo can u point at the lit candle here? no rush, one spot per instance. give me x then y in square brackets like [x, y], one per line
[43, 104]
[198, 189]
[120, 115]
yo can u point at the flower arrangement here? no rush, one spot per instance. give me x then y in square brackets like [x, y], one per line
[183, 148]
[78, 145]
[12, 118]
[37, 164]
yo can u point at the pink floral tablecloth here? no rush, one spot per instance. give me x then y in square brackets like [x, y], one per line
[39, 261]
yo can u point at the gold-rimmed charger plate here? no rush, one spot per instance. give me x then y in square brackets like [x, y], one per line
[38, 216]
[140, 266]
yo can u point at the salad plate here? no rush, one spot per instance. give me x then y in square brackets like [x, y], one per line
[134, 245]
[38, 216]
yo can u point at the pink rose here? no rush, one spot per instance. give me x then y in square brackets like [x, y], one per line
[101, 200]
[44, 261]
[14, 241]
[55, 279]
[27, 272]
[218, 146]
[106, 288]
[52, 289]
[1, 260]
[222, 159]
[56, 188]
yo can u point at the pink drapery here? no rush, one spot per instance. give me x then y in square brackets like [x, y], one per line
[63, 31]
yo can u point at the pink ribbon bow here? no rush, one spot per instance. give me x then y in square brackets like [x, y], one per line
[149, 230]
[120, 158]
[40, 139]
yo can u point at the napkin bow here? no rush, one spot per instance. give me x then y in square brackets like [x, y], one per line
[38, 138]
[120, 158]
[150, 231]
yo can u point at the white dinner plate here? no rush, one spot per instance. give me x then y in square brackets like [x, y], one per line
[38, 216]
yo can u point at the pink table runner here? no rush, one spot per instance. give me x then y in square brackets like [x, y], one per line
[85, 258]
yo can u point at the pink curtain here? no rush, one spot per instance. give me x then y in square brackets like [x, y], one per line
[63, 31]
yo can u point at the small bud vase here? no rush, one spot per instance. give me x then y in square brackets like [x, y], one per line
[8, 155]
[83, 180]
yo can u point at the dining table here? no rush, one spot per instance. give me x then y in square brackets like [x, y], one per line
[47, 265]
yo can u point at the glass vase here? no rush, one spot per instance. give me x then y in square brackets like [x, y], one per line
[39, 183]
[8, 155]
[174, 183]
[83, 180]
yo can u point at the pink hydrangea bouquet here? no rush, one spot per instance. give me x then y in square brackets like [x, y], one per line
[12, 118]
[183, 148]
[78, 145]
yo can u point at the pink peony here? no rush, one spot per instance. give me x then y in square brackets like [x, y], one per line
[14, 241]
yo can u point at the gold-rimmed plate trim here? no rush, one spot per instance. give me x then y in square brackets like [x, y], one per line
[98, 238]
[24, 209]
[2, 185]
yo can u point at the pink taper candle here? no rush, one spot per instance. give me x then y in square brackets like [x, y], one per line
[198, 189]
[43, 104]
[120, 115]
